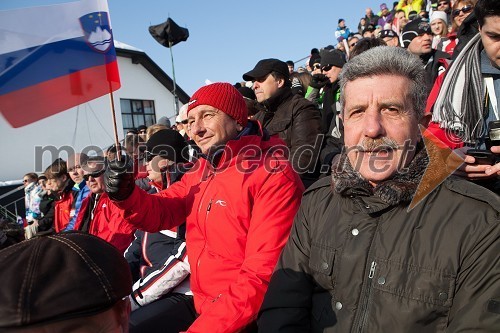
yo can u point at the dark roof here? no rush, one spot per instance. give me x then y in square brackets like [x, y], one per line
[139, 57]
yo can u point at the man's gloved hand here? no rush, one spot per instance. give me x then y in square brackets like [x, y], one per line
[318, 81]
[119, 178]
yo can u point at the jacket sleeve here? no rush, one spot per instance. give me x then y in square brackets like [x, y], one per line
[275, 205]
[306, 139]
[287, 305]
[155, 212]
[160, 282]
[476, 304]
[133, 255]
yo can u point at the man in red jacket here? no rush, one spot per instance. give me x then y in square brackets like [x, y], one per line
[97, 215]
[238, 201]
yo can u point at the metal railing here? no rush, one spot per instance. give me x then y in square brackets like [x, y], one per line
[7, 213]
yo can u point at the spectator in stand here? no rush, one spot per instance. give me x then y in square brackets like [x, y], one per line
[158, 261]
[253, 106]
[47, 206]
[111, 152]
[182, 122]
[390, 37]
[399, 21]
[360, 258]
[468, 99]
[385, 17]
[332, 62]
[315, 63]
[463, 13]
[417, 38]
[238, 204]
[293, 118]
[369, 32]
[291, 66]
[31, 203]
[362, 25]
[61, 185]
[371, 19]
[98, 216]
[142, 129]
[155, 128]
[365, 44]
[80, 189]
[439, 27]
[353, 40]
[134, 146]
[445, 6]
[342, 31]
[300, 83]
[70, 282]
[163, 121]
[410, 6]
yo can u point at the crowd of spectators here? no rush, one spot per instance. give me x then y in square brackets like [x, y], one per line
[202, 209]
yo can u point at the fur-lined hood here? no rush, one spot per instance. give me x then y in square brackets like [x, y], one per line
[397, 190]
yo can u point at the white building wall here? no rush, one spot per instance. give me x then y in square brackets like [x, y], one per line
[78, 128]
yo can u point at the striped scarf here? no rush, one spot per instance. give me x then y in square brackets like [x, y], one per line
[459, 105]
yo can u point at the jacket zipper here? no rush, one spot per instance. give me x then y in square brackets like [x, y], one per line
[366, 297]
[205, 229]
[362, 316]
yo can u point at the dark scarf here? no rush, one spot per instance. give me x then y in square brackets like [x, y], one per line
[399, 189]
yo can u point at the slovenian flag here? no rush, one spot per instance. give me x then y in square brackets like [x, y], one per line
[53, 58]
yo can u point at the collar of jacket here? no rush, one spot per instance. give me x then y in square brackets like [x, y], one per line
[252, 136]
[397, 190]
[272, 103]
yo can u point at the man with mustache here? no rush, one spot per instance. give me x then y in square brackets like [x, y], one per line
[417, 38]
[358, 258]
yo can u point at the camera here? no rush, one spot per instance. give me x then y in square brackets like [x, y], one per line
[493, 134]
[485, 156]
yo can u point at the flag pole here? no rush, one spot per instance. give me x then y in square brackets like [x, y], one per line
[176, 99]
[115, 128]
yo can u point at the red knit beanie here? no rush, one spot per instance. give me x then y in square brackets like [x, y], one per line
[222, 96]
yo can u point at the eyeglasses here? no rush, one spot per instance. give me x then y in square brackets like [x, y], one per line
[326, 68]
[94, 174]
[464, 9]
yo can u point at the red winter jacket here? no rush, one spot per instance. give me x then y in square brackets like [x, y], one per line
[107, 223]
[238, 218]
[63, 209]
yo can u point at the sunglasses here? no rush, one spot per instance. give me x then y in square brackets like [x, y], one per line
[442, 3]
[317, 66]
[353, 44]
[326, 68]
[185, 121]
[25, 180]
[93, 175]
[464, 9]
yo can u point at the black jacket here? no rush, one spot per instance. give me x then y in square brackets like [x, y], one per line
[358, 261]
[298, 122]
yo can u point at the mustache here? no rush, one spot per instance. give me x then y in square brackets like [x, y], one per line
[380, 144]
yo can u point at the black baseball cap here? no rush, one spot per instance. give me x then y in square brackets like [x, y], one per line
[265, 67]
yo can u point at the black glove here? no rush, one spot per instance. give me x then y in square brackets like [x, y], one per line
[119, 178]
[318, 81]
